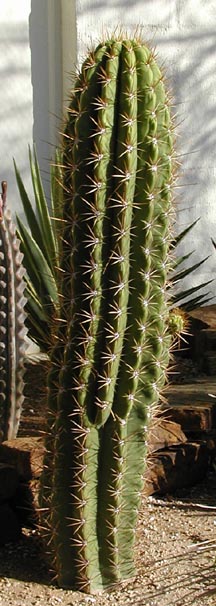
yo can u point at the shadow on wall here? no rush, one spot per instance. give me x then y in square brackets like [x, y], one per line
[46, 72]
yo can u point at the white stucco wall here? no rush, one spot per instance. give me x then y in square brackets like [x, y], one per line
[38, 48]
[16, 111]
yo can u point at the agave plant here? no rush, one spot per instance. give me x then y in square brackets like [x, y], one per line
[187, 299]
[40, 244]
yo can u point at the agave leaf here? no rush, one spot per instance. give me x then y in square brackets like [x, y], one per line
[40, 334]
[183, 233]
[29, 212]
[195, 302]
[178, 276]
[40, 243]
[56, 185]
[184, 257]
[179, 260]
[185, 272]
[36, 302]
[36, 313]
[57, 199]
[42, 210]
[186, 293]
[37, 319]
[37, 267]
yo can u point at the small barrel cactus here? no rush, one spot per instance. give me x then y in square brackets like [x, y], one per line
[12, 324]
[111, 348]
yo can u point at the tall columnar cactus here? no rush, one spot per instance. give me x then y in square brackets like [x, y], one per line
[12, 324]
[111, 348]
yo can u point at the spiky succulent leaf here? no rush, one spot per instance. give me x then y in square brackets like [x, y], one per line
[38, 318]
[42, 210]
[29, 211]
[183, 233]
[40, 244]
[176, 276]
[188, 270]
[37, 267]
[56, 199]
[184, 294]
[195, 303]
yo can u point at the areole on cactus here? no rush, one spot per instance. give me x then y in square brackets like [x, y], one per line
[111, 348]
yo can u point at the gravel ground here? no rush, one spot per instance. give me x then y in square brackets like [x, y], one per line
[175, 558]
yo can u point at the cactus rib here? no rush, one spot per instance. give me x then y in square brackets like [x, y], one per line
[12, 324]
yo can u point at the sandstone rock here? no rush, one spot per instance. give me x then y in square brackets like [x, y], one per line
[179, 466]
[192, 418]
[25, 455]
[206, 315]
[165, 433]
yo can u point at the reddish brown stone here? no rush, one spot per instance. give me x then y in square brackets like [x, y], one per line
[165, 433]
[25, 455]
[206, 314]
[179, 466]
[192, 418]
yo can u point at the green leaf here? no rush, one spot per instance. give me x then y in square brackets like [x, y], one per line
[195, 302]
[57, 200]
[183, 233]
[40, 243]
[42, 210]
[39, 331]
[28, 209]
[176, 276]
[37, 267]
[56, 186]
[185, 272]
[186, 293]
[179, 260]
[36, 303]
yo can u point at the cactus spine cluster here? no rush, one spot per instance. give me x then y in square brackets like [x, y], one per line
[12, 324]
[111, 348]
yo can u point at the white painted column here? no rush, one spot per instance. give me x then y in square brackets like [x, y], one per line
[53, 55]
[69, 46]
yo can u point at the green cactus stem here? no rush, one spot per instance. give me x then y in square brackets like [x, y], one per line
[12, 324]
[111, 350]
